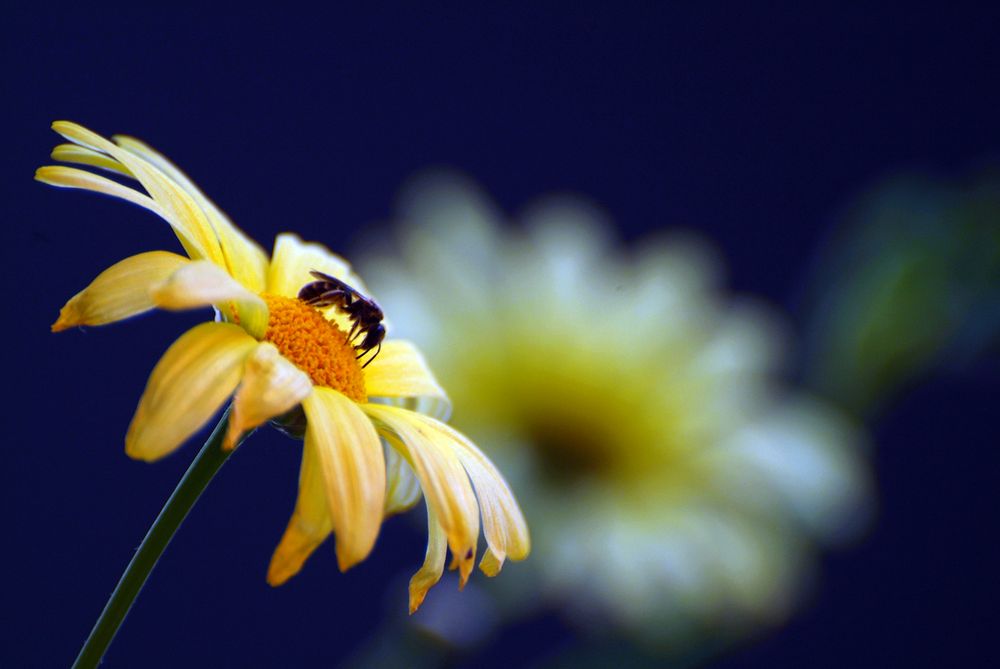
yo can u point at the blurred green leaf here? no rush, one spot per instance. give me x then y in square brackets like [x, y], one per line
[910, 282]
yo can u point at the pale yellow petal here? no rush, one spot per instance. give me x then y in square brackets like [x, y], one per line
[309, 526]
[188, 385]
[402, 489]
[400, 373]
[504, 525]
[350, 458]
[271, 386]
[71, 177]
[430, 572]
[193, 228]
[203, 283]
[199, 284]
[81, 155]
[291, 263]
[120, 291]
[442, 477]
[246, 261]
[293, 259]
[491, 563]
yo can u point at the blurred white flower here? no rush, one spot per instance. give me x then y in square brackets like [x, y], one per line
[674, 485]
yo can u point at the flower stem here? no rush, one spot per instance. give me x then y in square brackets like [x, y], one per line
[195, 480]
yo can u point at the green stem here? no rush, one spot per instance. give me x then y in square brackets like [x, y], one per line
[195, 480]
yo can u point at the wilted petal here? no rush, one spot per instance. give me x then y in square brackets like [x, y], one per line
[188, 385]
[271, 386]
[121, 291]
[310, 524]
[430, 571]
[349, 455]
[442, 477]
[503, 523]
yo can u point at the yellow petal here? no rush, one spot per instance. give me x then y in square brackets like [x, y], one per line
[293, 259]
[503, 523]
[81, 155]
[71, 177]
[193, 229]
[400, 373]
[246, 261]
[271, 386]
[188, 385]
[402, 489]
[430, 572]
[442, 477]
[310, 524]
[202, 283]
[120, 291]
[350, 458]
[291, 263]
[491, 563]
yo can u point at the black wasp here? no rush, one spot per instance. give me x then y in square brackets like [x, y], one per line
[364, 313]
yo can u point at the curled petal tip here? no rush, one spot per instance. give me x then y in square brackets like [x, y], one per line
[491, 563]
[135, 454]
[277, 574]
[345, 562]
[465, 566]
[232, 434]
[417, 595]
[143, 454]
[229, 443]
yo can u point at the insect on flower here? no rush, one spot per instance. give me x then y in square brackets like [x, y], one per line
[363, 312]
[374, 440]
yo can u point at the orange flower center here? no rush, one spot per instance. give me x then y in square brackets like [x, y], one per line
[315, 345]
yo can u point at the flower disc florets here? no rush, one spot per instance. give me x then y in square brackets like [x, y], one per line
[315, 345]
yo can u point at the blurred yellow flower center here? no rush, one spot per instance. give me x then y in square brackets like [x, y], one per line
[571, 450]
[315, 345]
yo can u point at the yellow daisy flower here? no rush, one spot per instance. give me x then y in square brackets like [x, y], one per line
[271, 353]
[677, 484]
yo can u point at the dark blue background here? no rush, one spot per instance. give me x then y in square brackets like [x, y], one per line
[754, 126]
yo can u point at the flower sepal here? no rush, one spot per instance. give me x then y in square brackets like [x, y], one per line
[292, 423]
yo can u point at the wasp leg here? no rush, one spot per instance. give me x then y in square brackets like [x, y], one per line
[355, 331]
[373, 357]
